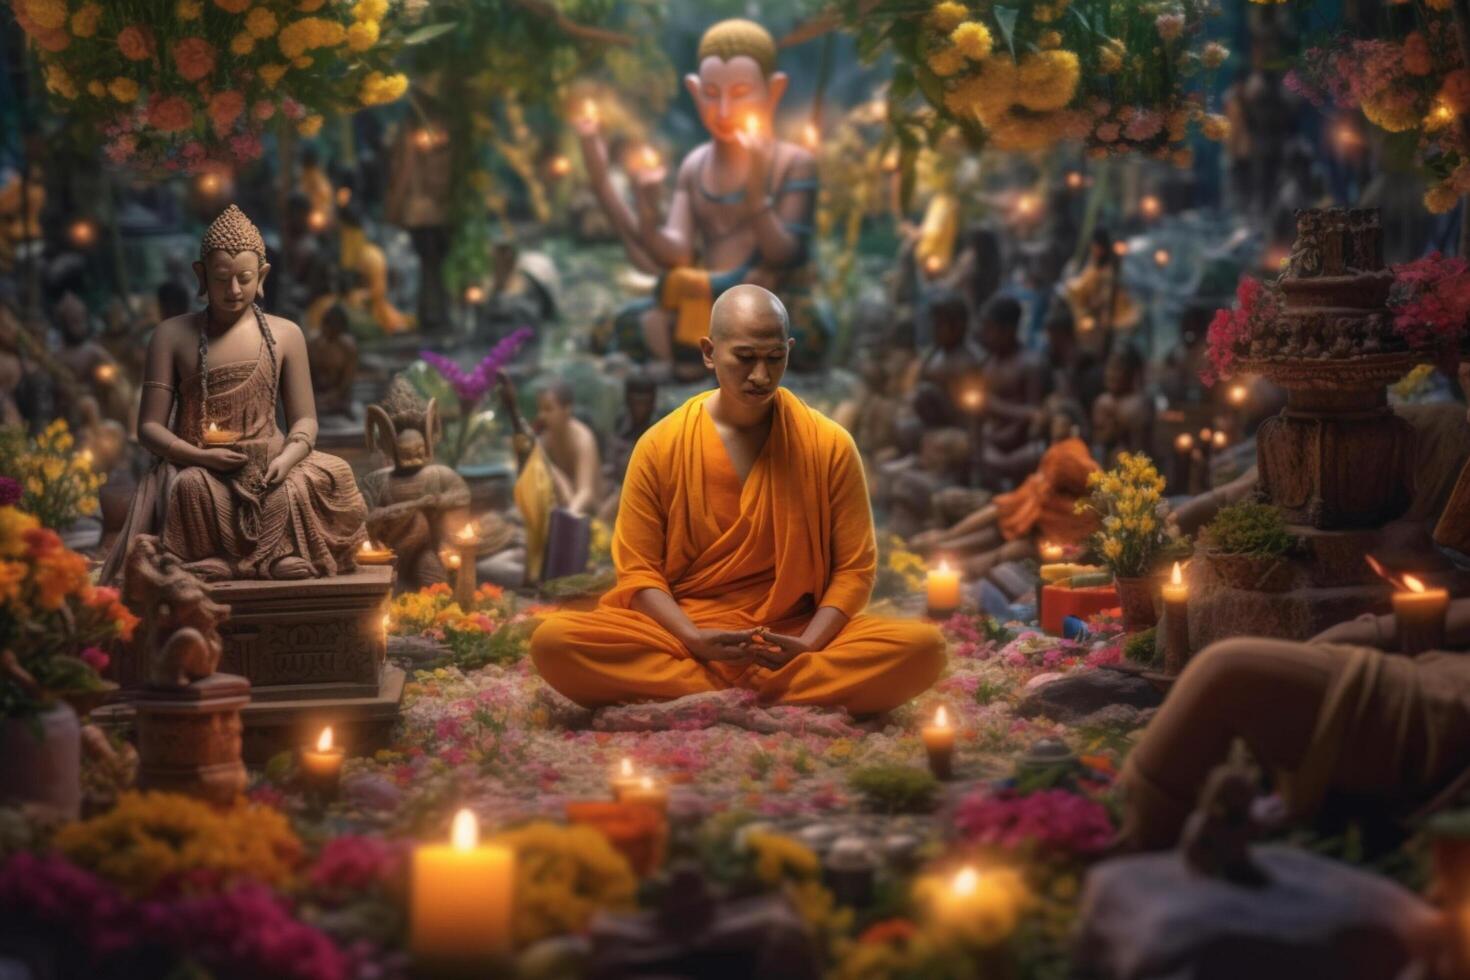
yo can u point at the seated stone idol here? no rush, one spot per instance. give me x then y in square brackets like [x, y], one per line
[231, 496]
[741, 211]
[745, 552]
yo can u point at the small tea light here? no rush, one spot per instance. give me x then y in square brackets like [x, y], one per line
[1183, 443]
[474, 295]
[317, 220]
[83, 234]
[646, 792]
[215, 436]
[811, 136]
[1219, 440]
[424, 139]
[105, 373]
[322, 766]
[649, 158]
[1074, 180]
[1150, 207]
[1176, 618]
[1238, 395]
[933, 265]
[373, 554]
[1420, 612]
[973, 399]
[971, 903]
[1051, 553]
[559, 166]
[209, 184]
[1161, 257]
[943, 590]
[939, 744]
[1027, 206]
[624, 779]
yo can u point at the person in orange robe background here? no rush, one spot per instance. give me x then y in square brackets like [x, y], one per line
[744, 550]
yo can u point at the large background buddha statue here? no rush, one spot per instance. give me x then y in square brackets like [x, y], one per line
[741, 210]
[232, 496]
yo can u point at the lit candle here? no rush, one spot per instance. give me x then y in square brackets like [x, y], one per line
[1176, 622]
[1087, 323]
[209, 184]
[646, 792]
[560, 166]
[1051, 553]
[105, 373]
[317, 220]
[460, 901]
[1420, 612]
[1151, 207]
[474, 295]
[215, 436]
[423, 139]
[321, 767]
[973, 399]
[624, 779]
[650, 158]
[1120, 249]
[974, 905]
[467, 544]
[811, 136]
[1074, 180]
[939, 744]
[1027, 205]
[589, 111]
[1161, 257]
[1238, 394]
[1219, 439]
[943, 589]
[933, 265]
[83, 234]
[374, 554]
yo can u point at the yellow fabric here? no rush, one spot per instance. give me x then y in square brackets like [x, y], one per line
[535, 496]
[368, 260]
[687, 292]
[938, 231]
[799, 536]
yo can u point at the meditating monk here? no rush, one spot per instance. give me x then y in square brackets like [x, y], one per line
[744, 550]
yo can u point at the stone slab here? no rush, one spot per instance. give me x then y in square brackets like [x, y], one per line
[361, 725]
[313, 631]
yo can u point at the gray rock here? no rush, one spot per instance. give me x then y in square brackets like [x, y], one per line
[415, 649]
[1149, 917]
[1074, 696]
[1124, 717]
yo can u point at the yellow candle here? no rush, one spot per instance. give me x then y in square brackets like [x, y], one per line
[460, 900]
[943, 589]
[1051, 553]
[373, 554]
[646, 792]
[322, 766]
[467, 544]
[1176, 620]
[1420, 612]
[625, 779]
[939, 743]
[974, 905]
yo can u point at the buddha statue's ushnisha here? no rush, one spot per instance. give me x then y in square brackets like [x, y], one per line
[232, 496]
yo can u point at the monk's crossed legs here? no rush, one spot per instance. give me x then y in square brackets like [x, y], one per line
[614, 656]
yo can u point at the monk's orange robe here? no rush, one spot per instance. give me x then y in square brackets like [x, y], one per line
[796, 536]
[1046, 502]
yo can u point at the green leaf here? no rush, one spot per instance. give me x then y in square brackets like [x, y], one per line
[1005, 19]
[428, 32]
[931, 86]
[903, 82]
[1081, 17]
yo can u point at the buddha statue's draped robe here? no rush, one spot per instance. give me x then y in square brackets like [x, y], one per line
[797, 535]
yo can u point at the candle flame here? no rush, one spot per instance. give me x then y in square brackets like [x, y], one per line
[366, 547]
[650, 158]
[105, 373]
[387, 622]
[324, 740]
[561, 166]
[1176, 577]
[1087, 323]
[1074, 180]
[966, 880]
[454, 561]
[467, 533]
[1238, 394]
[317, 220]
[1161, 257]
[1413, 583]
[1220, 439]
[1027, 205]
[1120, 249]
[626, 768]
[474, 295]
[1205, 435]
[589, 110]
[646, 782]
[464, 834]
[85, 456]
[1184, 443]
[944, 567]
[811, 135]
[753, 125]
[934, 264]
[941, 717]
[1151, 206]
[213, 427]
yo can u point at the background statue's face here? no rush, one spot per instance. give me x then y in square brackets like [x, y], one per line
[232, 282]
[413, 451]
[729, 92]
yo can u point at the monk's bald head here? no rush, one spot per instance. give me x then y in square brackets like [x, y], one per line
[749, 340]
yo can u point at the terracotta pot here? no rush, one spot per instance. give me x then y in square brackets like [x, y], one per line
[1252, 573]
[1136, 596]
[42, 761]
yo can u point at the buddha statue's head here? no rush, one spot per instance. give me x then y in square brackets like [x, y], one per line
[748, 344]
[737, 79]
[232, 266]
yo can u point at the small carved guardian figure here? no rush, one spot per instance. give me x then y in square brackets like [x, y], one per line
[180, 635]
[231, 495]
[415, 503]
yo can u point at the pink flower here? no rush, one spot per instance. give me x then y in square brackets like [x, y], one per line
[353, 864]
[224, 108]
[263, 110]
[170, 115]
[96, 658]
[1053, 820]
[194, 58]
[1169, 26]
[293, 110]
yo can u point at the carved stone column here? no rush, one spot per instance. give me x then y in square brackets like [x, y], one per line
[189, 737]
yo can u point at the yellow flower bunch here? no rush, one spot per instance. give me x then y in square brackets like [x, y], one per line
[1127, 499]
[946, 16]
[973, 40]
[57, 483]
[149, 838]
[377, 88]
[1047, 80]
[261, 23]
[563, 876]
[779, 858]
[308, 34]
[990, 912]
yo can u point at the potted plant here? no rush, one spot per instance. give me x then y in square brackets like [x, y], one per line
[1131, 538]
[55, 630]
[1247, 545]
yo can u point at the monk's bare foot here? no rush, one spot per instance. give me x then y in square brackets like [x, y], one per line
[291, 567]
[209, 569]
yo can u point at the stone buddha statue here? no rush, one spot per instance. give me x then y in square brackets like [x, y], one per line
[741, 211]
[231, 496]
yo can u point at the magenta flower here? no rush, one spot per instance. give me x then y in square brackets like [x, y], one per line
[9, 491]
[1053, 820]
[95, 658]
[353, 864]
[471, 386]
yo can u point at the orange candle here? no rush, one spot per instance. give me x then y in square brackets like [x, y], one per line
[943, 591]
[460, 901]
[1420, 612]
[939, 743]
[647, 793]
[373, 554]
[215, 436]
[625, 778]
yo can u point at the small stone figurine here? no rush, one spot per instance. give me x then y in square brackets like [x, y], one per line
[188, 715]
[416, 503]
[1217, 835]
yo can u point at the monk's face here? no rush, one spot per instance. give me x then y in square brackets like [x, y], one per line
[747, 351]
[728, 93]
[232, 282]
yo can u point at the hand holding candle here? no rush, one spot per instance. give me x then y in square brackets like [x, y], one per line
[943, 591]
[460, 901]
[939, 744]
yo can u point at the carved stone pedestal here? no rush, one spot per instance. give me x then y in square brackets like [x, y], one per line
[189, 737]
[314, 652]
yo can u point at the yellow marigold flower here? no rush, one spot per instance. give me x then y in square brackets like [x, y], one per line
[1110, 57]
[12, 576]
[946, 62]
[84, 21]
[48, 14]
[1049, 40]
[1047, 80]
[378, 89]
[362, 35]
[261, 23]
[305, 61]
[96, 89]
[307, 6]
[309, 126]
[271, 74]
[189, 9]
[1394, 115]
[778, 858]
[232, 6]
[242, 44]
[1216, 127]
[1440, 199]
[58, 81]
[946, 16]
[973, 40]
[1112, 548]
[369, 9]
[14, 523]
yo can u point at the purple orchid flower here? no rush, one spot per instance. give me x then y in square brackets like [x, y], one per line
[471, 386]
